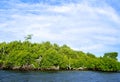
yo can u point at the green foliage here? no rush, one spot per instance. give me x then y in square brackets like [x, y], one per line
[46, 55]
[51, 58]
[112, 55]
[91, 55]
[108, 64]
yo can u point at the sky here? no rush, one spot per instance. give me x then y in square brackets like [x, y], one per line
[86, 25]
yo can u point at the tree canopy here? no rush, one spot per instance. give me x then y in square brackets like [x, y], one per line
[112, 55]
[18, 54]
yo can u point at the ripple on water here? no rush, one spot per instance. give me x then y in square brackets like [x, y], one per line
[58, 76]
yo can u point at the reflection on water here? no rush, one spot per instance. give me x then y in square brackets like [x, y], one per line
[58, 76]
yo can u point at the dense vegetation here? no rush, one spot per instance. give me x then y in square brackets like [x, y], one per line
[19, 55]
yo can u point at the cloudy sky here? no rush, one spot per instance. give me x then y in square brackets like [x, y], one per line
[87, 25]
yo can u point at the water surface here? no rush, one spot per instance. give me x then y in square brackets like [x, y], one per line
[58, 76]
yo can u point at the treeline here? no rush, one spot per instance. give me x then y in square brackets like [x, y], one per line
[27, 55]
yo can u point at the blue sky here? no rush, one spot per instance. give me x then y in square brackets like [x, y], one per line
[87, 25]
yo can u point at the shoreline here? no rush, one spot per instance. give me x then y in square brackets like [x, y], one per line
[51, 69]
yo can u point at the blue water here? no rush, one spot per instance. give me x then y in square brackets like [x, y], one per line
[58, 76]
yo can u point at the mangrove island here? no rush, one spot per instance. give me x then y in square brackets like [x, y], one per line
[25, 55]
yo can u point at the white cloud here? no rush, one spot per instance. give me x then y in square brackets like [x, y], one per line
[80, 25]
[60, 9]
[92, 47]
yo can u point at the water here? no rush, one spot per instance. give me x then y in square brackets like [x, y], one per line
[58, 76]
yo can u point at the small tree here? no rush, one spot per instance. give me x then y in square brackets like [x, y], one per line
[28, 37]
[112, 55]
